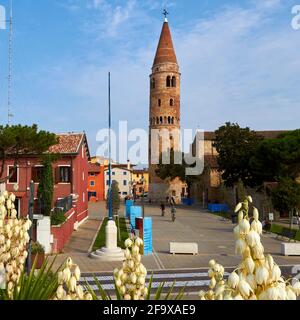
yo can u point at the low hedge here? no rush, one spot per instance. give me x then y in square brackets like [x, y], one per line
[277, 229]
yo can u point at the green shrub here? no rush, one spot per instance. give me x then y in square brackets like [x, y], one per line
[58, 218]
[36, 247]
[275, 228]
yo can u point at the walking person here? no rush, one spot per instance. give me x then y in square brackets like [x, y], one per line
[163, 209]
[173, 213]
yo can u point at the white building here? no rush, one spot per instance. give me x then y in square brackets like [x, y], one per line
[123, 176]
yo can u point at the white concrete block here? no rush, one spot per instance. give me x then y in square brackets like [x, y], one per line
[184, 247]
[44, 233]
[290, 249]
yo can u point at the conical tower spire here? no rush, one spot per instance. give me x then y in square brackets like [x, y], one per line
[165, 51]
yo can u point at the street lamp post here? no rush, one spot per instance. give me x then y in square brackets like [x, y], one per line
[142, 181]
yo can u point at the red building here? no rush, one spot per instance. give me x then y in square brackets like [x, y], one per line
[96, 188]
[70, 174]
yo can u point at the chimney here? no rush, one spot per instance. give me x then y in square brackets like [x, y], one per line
[128, 165]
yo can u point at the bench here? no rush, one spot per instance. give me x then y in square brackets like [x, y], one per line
[290, 249]
[184, 247]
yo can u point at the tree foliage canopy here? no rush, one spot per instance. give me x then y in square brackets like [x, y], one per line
[19, 140]
[235, 146]
[277, 158]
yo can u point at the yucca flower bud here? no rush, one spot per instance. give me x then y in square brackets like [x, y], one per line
[282, 295]
[141, 280]
[211, 273]
[127, 297]
[244, 226]
[252, 238]
[255, 214]
[118, 283]
[133, 278]
[240, 246]
[88, 296]
[79, 292]
[135, 250]
[67, 275]
[249, 198]
[127, 253]
[238, 297]
[60, 292]
[238, 207]
[211, 263]
[77, 273]
[261, 275]
[250, 265]
[244, 288]
[128, 243]
[275, 273]
[72, 284]
[122, 290]
[212, 283]
[139, 242]
[272, 293]
[8, 204]
[251, 280]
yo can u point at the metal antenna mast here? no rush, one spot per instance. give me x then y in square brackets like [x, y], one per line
[10, 57]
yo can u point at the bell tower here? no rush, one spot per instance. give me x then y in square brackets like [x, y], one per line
[164, 114]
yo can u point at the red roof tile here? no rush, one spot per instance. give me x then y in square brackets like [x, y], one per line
[94, 168]
[68, 143]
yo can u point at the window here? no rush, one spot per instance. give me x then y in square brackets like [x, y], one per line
[92, 183]
[124, 193]
[64, 174]
[171, 102]
[168, 82]
[159, 102]
[107, 173]
[173, 82]
[36, 174]
[92, 174]
[125, 173]
[107, 182]
[161, 120]
[124, 182]
[113, 173]
[15, 174]
[153, 83]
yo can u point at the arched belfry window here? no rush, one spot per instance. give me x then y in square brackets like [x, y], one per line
[174, 82]
[161, 120]
[171, 102]
[159, 102]
[169, 120]
[157, 120]
[169, 81]
[152, 83]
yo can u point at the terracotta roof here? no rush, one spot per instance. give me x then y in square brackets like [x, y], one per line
[69, 143]
[165, 50]
[94, 168]
[210, 135]
[140, 171]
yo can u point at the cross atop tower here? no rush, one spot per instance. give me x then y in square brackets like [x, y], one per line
[165, 13]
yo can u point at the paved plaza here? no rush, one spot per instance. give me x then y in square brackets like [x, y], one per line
[193, 224]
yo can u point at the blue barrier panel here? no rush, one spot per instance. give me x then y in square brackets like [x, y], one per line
[129, 203]
[135, 212]
[218, 207]
[188, 201]
[148, 236]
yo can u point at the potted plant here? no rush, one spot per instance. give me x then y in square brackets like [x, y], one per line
[38, 254]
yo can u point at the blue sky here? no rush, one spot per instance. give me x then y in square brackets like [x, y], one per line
[240, 62]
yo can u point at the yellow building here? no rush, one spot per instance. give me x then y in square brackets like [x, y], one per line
[140, 181]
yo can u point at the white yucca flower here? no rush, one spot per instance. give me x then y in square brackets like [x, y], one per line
[296, 287]
[238, 207]
[250, 265]
[240, 246]
[245, 288]
[244, 226]
[233, 280]
[261, 275]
